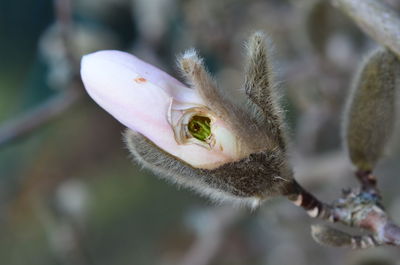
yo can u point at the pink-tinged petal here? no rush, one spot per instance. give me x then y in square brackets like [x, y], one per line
[139, 95]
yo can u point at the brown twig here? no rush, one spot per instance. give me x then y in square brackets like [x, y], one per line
[314, 207]
[360, 209]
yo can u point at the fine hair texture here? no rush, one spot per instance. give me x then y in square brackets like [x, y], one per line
[370, 113]
[252, 113]
[249, 180]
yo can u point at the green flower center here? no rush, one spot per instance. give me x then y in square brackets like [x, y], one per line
[199, 127]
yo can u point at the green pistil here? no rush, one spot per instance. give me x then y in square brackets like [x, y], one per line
[199, 127]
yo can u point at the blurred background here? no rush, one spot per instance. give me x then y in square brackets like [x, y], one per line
[69, 193]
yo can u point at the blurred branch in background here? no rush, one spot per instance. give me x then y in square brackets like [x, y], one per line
[65, 234]
[210, 235]
[375, 18]
[47, 111]
[34, 119]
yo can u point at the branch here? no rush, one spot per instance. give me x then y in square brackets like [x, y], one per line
[33, 119]
[55, 106]
[376, 19]
[359, 209]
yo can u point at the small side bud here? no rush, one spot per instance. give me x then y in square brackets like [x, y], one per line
[331, 237]
[369, 114]
[328, 236]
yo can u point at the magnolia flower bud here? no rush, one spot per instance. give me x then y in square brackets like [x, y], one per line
[149, 101]
[369, 115]
[222, 143]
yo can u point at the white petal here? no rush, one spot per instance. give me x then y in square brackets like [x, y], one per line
[138, 95]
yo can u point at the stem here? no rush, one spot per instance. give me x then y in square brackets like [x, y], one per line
[367, 180]
[356, 209]
[314, 207]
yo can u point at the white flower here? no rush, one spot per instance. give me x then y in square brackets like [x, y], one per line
[168, 113]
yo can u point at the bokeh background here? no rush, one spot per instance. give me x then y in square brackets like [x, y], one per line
[69, 193]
